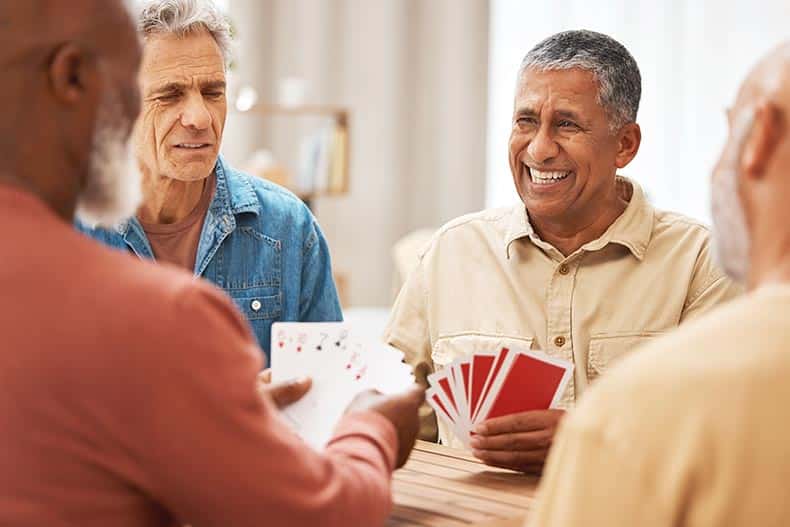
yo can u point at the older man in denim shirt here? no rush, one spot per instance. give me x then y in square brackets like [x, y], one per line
[250, 237]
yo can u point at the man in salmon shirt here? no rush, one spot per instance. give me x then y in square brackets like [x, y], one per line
[129, 389]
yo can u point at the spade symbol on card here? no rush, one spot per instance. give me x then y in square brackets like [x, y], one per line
[360, 373]
[341, 338]
[320, 345]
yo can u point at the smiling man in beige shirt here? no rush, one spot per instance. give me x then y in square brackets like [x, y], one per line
[584, 268]
[693, 430]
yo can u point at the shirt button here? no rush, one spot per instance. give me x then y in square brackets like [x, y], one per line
[559, 341]
[564, 269]
[255, 305]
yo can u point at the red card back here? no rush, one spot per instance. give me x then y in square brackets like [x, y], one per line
[530, 385]
[500, 360]
[481, 366]
[444, 383]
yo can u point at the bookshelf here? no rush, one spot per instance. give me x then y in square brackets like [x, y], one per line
[336, 181]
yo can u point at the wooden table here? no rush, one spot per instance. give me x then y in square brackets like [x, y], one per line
[442, 487]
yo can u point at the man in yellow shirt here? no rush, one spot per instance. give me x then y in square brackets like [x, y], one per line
[693, 430]
[584, 268]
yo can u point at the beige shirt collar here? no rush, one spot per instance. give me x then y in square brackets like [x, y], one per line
[631, 229]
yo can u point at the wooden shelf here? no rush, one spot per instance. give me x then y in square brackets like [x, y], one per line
[336, 113]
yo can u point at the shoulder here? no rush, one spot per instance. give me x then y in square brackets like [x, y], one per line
[475, 229]
[275, 205]
[108, 236]
[689, 377]
[167, 303]
[676, 226]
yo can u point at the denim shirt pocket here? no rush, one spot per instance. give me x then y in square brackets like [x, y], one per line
[256, 304]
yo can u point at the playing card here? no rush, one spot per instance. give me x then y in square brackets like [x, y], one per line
[487, 385]
[480, 367]
[443, 382]
[527, 381]
[439, 405]
[340, 365]
[501, 357]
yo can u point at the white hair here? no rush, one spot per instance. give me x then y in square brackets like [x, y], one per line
[731, 239]
[619, 80]
[182, 17]
[113, 187]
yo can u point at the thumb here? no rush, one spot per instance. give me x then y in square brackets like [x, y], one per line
[289, 392]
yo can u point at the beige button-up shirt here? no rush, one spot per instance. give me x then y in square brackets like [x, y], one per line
[691, 431]
[487, 280]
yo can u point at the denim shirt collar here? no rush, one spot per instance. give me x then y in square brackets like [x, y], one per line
[233, 195]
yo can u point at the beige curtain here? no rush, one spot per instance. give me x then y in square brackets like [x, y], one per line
[413, 75]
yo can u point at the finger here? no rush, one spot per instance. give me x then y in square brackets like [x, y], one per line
[523, 441]
[511, 459]
[265, 376]
[289, 392]
[416, 393]
[521, 422]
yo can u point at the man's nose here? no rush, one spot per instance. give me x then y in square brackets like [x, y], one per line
[195, 114]
[543, 147]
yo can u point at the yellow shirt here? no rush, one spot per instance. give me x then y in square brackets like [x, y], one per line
[487, 280]
[692, 430]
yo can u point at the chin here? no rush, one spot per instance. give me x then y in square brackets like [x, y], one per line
[193, 170]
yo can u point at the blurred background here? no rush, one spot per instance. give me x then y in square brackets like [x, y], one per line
[391, 117]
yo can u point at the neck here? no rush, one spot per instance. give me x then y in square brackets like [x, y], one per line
[569, 234]
[167, 200]
[769, 261]
[57, 195]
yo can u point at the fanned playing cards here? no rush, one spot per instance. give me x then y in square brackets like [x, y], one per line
[487, 385]
[340, 364]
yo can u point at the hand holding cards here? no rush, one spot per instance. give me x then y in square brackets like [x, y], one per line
[340, 365]
[487, 385]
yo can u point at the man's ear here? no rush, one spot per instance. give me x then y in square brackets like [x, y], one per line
[769, 127]
[630, 139]
[72, 73]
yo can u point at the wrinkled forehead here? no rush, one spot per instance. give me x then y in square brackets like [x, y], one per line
[175, 58]
[572, 88]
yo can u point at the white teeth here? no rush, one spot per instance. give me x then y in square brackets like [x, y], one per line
[539, 176]
[192, 145]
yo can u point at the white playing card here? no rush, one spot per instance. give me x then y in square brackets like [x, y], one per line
[340, 365]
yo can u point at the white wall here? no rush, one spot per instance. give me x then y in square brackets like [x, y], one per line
[413, 75]
[692, 55]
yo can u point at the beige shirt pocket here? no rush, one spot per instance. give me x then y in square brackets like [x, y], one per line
[608, 348]
[448, 348]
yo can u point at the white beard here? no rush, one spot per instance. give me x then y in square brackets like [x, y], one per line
[113, 191]
[730, 233]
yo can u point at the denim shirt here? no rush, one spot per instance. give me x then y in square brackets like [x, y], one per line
[261, 245]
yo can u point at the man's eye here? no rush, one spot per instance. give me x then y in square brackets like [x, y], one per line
[567, 124]
[526, 121]
[168, 97]
[213, 94]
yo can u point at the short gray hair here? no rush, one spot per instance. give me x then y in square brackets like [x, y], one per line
[182, 17]
[619, 80]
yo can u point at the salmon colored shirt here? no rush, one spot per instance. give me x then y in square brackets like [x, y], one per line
[128, 399]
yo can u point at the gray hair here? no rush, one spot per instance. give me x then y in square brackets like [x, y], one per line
[182, 17]
[619, 80]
